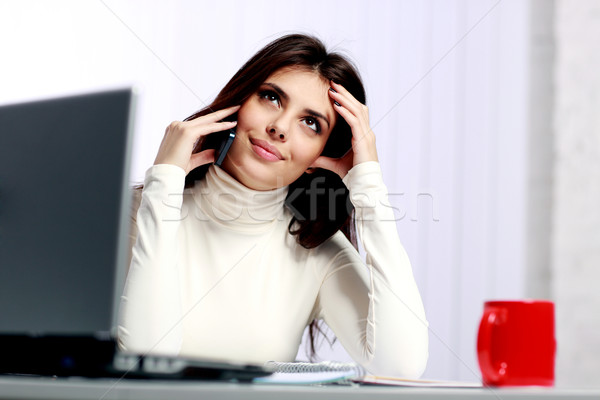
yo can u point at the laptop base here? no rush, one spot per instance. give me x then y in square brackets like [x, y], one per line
[97, 357]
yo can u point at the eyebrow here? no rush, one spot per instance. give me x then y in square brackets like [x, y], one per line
[285, 96]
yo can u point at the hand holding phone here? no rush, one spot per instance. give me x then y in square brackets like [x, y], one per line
[223, 148]
[181, 137]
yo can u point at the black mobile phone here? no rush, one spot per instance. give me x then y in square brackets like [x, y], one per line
[223, 147]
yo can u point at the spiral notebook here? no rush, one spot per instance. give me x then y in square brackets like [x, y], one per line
[326, 372]
[330, 372]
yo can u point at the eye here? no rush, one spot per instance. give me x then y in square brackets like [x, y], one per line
[270, 96]
[313, 124]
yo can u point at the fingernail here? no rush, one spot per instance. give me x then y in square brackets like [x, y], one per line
[336, 103]
[331, 89]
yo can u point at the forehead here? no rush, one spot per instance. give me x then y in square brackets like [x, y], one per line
[297, 73]
[307, 89]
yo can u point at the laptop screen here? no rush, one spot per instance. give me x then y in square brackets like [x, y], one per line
[64, 212]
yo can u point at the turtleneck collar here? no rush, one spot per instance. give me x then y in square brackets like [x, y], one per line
[229, 202]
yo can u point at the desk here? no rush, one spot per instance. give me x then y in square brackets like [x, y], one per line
[106, 389]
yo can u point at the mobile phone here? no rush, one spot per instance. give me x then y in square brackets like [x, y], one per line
[223, 147]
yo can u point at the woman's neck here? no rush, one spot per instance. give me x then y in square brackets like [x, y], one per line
[228, 201]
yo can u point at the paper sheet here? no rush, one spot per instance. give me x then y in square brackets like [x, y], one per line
[306, 377]
[388, 380]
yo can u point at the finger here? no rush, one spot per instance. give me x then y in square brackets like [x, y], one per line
[349, 116]
[356, 108]
[341, 89]
[201, 158]
[197, 132]
[358, 122]
[344, 94]
[217, 115]
[215, 127]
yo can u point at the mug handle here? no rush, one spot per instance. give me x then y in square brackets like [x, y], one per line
[489, 370]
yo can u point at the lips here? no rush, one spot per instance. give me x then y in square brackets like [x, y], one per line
[266, 147]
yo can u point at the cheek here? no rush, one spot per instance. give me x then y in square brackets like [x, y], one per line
[309, 150]
[249, 117]
[249, 122]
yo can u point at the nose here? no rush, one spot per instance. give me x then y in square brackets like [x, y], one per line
[279, 128]
[276, 133]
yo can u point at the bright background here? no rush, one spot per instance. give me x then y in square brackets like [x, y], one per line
[453, 87]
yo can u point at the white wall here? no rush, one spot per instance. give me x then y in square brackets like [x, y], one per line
[576, 200]
[446, 85]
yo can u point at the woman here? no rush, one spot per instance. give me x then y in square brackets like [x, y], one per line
[233, 262]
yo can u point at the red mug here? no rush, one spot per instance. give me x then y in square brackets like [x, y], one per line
[516, 344]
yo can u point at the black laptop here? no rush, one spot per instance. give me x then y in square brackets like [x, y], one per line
[64, 224]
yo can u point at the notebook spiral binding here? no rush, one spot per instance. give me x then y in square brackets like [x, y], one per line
[304, 367]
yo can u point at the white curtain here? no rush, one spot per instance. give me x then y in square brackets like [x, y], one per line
[446, 87]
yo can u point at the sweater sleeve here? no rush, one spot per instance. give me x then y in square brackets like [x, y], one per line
[150, 309]
[375, 310]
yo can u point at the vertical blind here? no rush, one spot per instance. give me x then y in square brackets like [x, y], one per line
[446, 87]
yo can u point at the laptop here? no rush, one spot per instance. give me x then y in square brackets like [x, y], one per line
[64, 224]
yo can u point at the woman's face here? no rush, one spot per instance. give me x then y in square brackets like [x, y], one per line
[282, 129]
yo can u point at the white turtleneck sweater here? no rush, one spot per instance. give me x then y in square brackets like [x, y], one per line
[215, 274]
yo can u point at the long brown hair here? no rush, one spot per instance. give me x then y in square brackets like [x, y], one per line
[317, 214]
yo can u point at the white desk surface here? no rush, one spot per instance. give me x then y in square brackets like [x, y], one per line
[106, 389]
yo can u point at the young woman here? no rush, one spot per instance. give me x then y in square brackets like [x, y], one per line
[233, 262]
